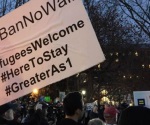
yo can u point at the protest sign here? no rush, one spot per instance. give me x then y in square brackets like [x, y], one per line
[142, 98]
[42, 42]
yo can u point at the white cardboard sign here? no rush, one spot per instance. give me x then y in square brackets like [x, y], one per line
[142, 98]
[42, 42]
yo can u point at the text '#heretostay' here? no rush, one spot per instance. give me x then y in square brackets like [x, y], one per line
[38, 77]
[35, 61]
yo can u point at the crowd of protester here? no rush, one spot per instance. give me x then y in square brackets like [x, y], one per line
[72, 111]
[33, 113]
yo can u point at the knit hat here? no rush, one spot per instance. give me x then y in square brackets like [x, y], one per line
[110, 111]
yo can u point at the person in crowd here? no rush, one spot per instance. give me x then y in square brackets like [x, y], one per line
[23, 109]
[135, 115]
[38, 118]
[121, 107]
[43, 106]
[101, 112]
[7, 115]
[29, 115]
[110, 115]
[74, 109]
[94, 113]
[17, 112]
[96, 121]
[106, 105]
[41, 113]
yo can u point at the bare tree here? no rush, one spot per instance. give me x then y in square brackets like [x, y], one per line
[117, 36]
[139, 12]
[7, 6]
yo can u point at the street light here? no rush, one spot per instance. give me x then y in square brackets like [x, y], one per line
[34, 94]
[35, 91]
[83, 92]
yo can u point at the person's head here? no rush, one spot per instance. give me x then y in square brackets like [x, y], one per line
[37, 118]
[110, 114]
[123, 106]
[31, 111]
[95, 109]
[135, 115]
[43, 106]
[73, 104]
[106, 105]
[7, 112]
[96, 121]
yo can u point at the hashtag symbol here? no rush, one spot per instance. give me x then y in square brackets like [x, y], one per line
[3, 77]
[8, 90]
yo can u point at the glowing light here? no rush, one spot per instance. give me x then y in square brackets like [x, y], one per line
[117, 60]
[143, 65]
[116, 53]
[99, 66]
[84, 81]
[111, 54]
[130, 104]
[83, 92]
[77, 75]
[105, 99]
[35, 91]
[136, 54]
[104, 92]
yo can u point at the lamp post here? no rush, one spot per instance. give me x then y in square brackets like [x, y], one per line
[119, 97]
[83, 92]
